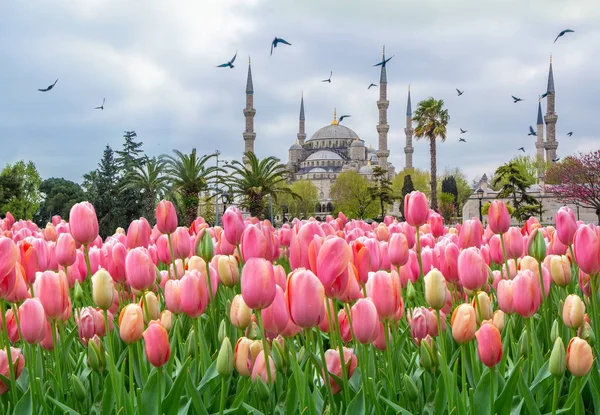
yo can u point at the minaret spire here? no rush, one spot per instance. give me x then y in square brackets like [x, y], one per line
[408, 131]
[249, 112]
[539, 144]
[551, 117]
[382, 126]
[301, 127]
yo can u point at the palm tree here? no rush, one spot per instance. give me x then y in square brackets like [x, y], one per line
[256, 180]
[189, 176]
[150, 180]
[432, 119]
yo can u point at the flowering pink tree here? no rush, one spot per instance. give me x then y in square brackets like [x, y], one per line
[577, 180]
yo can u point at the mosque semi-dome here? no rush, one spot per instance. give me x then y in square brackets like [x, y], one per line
[324, 155]
[296, 146]
[358, 143]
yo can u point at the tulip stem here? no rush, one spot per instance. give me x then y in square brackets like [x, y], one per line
[595, 316]
[13, 382]
[492, 395]
[326, 373]
[265, 346]
[131, 384]
[388, 352]
[59, 394]
[292, 351]
[332, 338]
[507, 271]
[577, 393]
[86, 253]
[555, 396]
[419, 254]
[222, 401]
[175, 276]
[463, 374]
[342, 359]
[158, 395]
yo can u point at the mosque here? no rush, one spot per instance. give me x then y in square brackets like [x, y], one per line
[334, 148]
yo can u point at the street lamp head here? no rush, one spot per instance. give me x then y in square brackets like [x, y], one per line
[225, 197]
[479, 193]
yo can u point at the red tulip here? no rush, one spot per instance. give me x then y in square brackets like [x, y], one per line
[83, 223]
[526, 293]
[566, 225]
[305, 296]
[158, 348]
[166, 217]
[416, 210]
[140, 270]
[489, 344]
[586, 245]
[365, 321]
[258, 283]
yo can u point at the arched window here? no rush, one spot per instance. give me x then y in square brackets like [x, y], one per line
[329, 207]
[318, 207]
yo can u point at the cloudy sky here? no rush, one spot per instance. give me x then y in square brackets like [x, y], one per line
[154, 61]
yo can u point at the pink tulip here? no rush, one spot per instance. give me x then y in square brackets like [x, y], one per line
[498, 217]
[240, 314]
[131, 323]
[158, 349]
[398, 249]
[344, 326]
[173, 296]
[489, 344]
[556, 247]
[254, 243]
[11, 324]
[305, 297]
[194, 295]
[586, 245]
[139, 269]
[495, 248]
[580, 357]
[573, 311]
[332, 265]
[365, 321]
[33, 321]
[361, 260]
[514, 243]
[526, 293]
[258, 283]
[182, 243]
[166, 217]
[300, 241]
[566, 225]
[116, 262]
[505, 296]
[138, 234]
[276, 316]
[334, 366]
[83, 223]
[259, 368]
[470, 235]
[233, 225]
[384, 291]
[415, 209]
[472, 270]
[17, 290]
[52, 289]
[162, 249]
[449, 261]
[52, 263]
[18, 362]
[352, 291]
[436, 221]
[464, 323]
[28, 260]
[280, 276]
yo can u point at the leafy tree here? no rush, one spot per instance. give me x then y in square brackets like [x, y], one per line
[407, 188]
[381, 189]
[447, 206]
[19, 189]
[514, 184]
[576, 179]
[253, 182]
[352, 195]
[419, 178]
[304, 204]
[59, 195]
[189, 176]
[432, 120]
[449, 186]
[151, 183]
[132, 154]
[462, 184]
[130, 158]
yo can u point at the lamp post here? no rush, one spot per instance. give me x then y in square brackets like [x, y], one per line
[480, 197]
[217, 153]
[284, 210]
[226, 199]
[542, 194]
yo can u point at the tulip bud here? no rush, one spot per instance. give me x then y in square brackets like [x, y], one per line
[78, 293]
[537, 246]
[190, 344]
[253, 331]
[558, 361]
[428, 354]
[483, 310]
[102, 289]
[411, 294]
[205, 247]
[150, 302]
[95, 354]
[498, 320]
[411, 388]
[166, 320]
[555, 331]
[573, 311]
[279, 355]
[586, 333]
[77, 385]
[225, 358]
[301, 354]
[222, 333]
[435, 289]
[524, 344]
[579, 357]
[262, 388]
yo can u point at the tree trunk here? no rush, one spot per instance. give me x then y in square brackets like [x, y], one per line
[382, 209]
[598, 214]
[433, 155]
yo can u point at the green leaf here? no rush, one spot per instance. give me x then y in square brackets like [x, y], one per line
[542, 375]
[357, 405]
[251, 409]
[65, 408]
[503, 403]
[149, 394]
[108, 397]
[210, 374]
[170, 404]
[482, 393]
[25, 404]
[195, 397]
[186, 409]
[292, 399]
[441, 400]
[398, 409]
[528, 397]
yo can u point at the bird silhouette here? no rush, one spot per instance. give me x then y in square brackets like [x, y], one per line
[101, 107]
[459, 92]
[328, 79]
[521, 149]
[371, 86]
[49, 87]
[544, 95]
[463, 131]
[462, 139]
[383, 62]
[342, 118]
[555, 160]
[531, 132]
[563, 33]
[570, 133]
[278, 40]
[229, 63]
[516, 99]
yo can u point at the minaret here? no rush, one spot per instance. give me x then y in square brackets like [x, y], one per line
[551, 117]
[301, 131]
[383, 127]
[539, 144]
[249, 112]
[408, 150]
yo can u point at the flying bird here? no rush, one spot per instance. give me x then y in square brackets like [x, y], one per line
[342, 118]
[463, 131]
[544, 95]
[555, 160]
[229, 63]
[382, 63]
[570, 133]
[521, 149]
[462, 139]
[328, 79]
[516, 99]
[278, 40]
[101, 107]
[459, 92]
[531, 132]
[563, 33]
[49, 87]
[371, 86]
